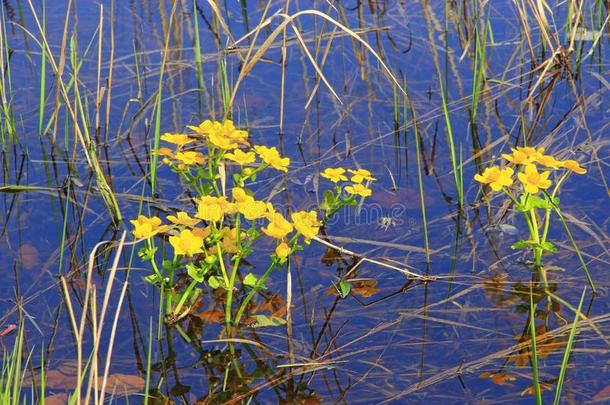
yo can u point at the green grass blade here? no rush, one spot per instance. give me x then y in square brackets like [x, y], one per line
[534, 359]
[566, 355]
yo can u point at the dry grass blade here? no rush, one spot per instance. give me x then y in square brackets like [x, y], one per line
[377, 262]
[476, 364]
[249, 63]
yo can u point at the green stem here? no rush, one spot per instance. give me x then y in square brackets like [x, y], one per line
[253, 291]
[211, 171]
[231, 284]
[223, 269]
[547, 217]
[185, 296]
[537, 250]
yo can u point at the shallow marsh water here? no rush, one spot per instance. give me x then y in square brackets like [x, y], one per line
[457, 339]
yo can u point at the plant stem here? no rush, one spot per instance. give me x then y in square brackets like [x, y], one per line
[185, 296]
[253, 291]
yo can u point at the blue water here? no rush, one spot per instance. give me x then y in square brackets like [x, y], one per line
[408, 342]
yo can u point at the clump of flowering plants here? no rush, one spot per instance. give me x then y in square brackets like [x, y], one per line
[210, 243]
[534, 196]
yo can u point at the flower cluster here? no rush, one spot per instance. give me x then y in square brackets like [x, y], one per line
[533, 169]
[223, 141]
[358, 176]
[529, 160]
[218, 164]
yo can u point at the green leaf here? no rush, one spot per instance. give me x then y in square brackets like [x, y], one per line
[216, 282]
[153, 279]
[344, 288]
[548, 247]
[528, 244]
[329, 201]
[533, 201]
[194, 272]
[146, 254]
[522, 244]
[250, 280]
[264, 320]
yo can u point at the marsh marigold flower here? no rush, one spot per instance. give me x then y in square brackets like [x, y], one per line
[517, 157]
[529, 151]
[177, 139]
[533, 181]
[282, 250]
[229, 240]
[238, 135]
[211, 208]
[182, 218]
[145, 227]
[218, 139]
[272, 157]
[306, 223]
[334, 174]
[247, 205]
[547, 161]
[240, 157]
[190, 157]
[186, 243]
[361, 174]
[222, 135]
[573, 166]
[240, 195]
[358, 189]
[203, 128]
[167, 152]
[252, 210]
[278, 226]
[495, 177]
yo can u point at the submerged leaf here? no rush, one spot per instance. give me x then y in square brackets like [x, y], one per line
[365, 288]
[261, 321]
[212, 316]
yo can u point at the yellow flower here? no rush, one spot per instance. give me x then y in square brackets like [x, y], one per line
[182, 218]
[190, 157]
[278, 227]
[238, 135]
[532, 180]
[358, 189]
[229, 240]
[165, 152]
[573, 166]
[306, 223]
[548, 161]
[218, 139]
[222, 135]
[241, 157]
[202, 232]
[145, 227]
[177, 139]
[203, 128]
[239, 195]
[211, 208]
[252, 210]
[334, 174]
[495, 177]
[186, 243]
[518, 157]
[282, 250]
[360, 175]
[529, 151]
[272, 157]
